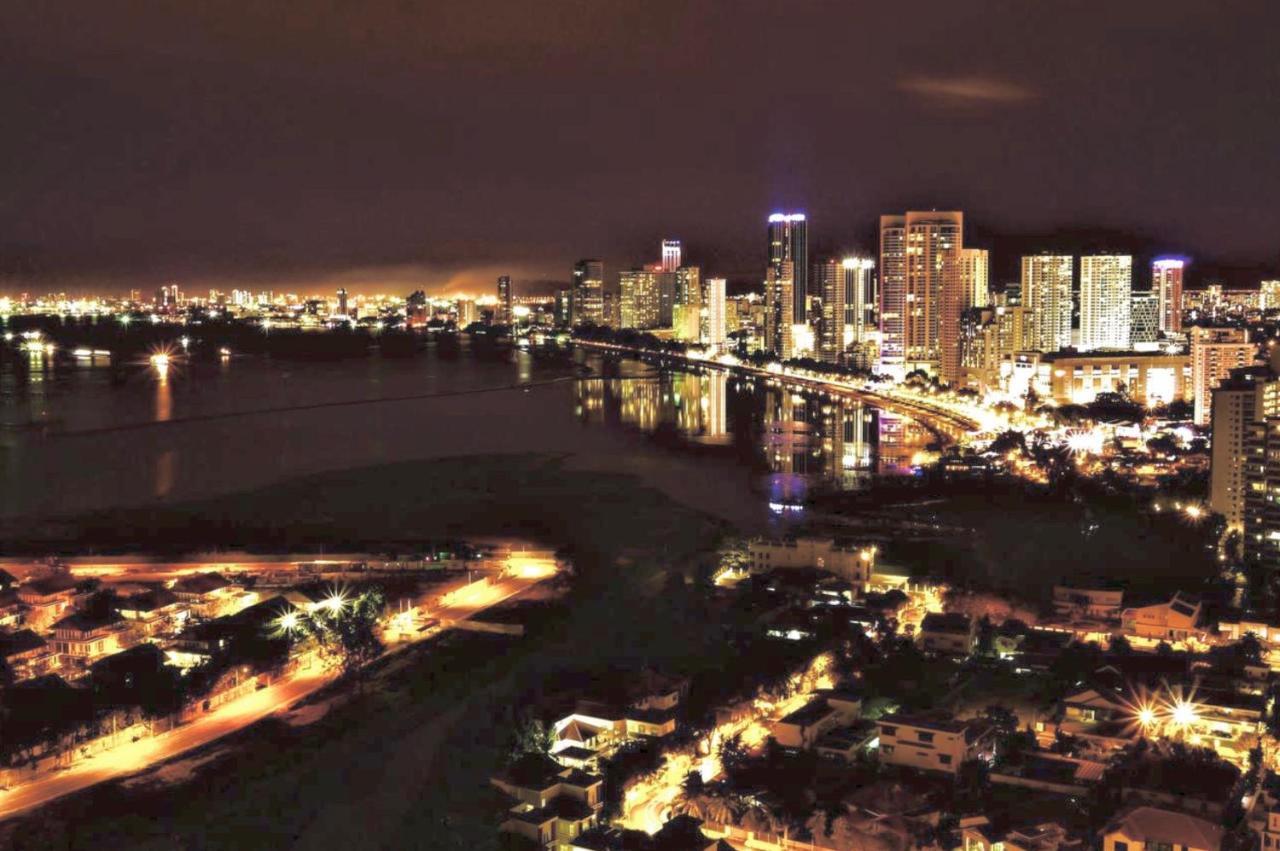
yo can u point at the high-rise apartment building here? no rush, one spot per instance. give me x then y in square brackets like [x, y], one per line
[1106, 281]
[1166, 285]
[1262, 493]
[715, 324]
[1144, 319]
[779, 288]
[671, 252]
[832, 291]
[503, 313]
[586, 303]
[638, 299]
[1269, 295]
[1246, 397]
[466, 312]
[960, 293]
[686, 309]
[919, 253]
[1046, 292]
[1215, 352]
[859, 298]
[789, 243]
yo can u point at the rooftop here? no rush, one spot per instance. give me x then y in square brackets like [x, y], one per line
[811, 712]
[1167, 827]
[946, 622]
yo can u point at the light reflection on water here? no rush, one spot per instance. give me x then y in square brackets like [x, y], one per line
[82, 436]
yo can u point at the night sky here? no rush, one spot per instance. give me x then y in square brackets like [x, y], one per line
[402, 144]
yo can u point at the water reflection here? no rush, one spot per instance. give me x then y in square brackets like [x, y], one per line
[164, 394]
[798, 441]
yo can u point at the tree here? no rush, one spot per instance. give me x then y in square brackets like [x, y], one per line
[1120, 645]
[343, 628]
[1001, 717]
[532, 736]
[733, 754]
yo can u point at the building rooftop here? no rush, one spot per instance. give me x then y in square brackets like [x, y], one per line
[1156, 826]
[946, 622]
[810, 713]
[13, 643]
[940, 722]
[201, 583]
[86, 622]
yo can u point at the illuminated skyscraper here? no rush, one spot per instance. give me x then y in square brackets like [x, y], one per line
[960, 293]
[1166, 284]
[918, 253]
[1144, 319]
[1245, 398]
[1106, 282]
[715, 313]
[342, 301]
[686, 310]
[1046, 292]
[1269, 296]
[503, 314]
[832, 291]
[466, 312]
[1215, 352]
[587, 293]
[789, 243]
[779, 288]
[859, 296]
[639, 298]
[671, 255]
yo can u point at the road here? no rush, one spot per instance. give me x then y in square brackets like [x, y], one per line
[133, 757]
[947, 421]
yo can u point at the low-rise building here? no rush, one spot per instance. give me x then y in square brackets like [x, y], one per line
[1175, 620]
[852, 564]
[81, 638]
[49, 598]
[802, 728]
[950, 633]
[1079, 601]
[554, 805]
[934, 742]
[208, 595]
[26, 654]
[1146, 827]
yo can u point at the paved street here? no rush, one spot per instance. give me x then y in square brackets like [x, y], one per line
[130, 758]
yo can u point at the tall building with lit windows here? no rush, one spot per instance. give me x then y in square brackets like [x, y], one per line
[789, 243]
[1215, 353]
[919, 256]
[830, 282]
[686, 311]
[671, 251]
[715, 324]
[1046, 293]
[1245, 398]
[503, 314]
[1106, 285]
[960, 293]
[779, 288]
[1144, 319]
[586, 293]
[1166, 284]
[638, 294]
